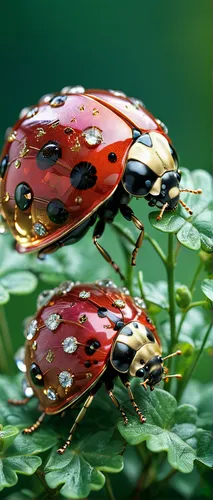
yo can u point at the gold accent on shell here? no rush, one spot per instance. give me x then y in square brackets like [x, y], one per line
[17, 164]
[34, 345]
[50, 356]
[24, 150]
[78, 200]
[40, 132]
[119, 303]
[76, 146]
[68, 130]
[82, 108]
[6, 197]
[12, 136]
[83, 318]
[55, 124]
[95, 112]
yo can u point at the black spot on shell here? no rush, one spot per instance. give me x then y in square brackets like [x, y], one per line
[83, 176]
[91, 347]
[112, 157]
[48, 155]
[3, 165]
[87, 364]
[57, 212]
[36, 375]
[23, 196]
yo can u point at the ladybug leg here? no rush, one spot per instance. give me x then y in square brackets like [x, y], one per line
[79, 417]
[19, 402]
[117, 404]
[129, 215]
[132, 399]
[98, 231]
[35, 426]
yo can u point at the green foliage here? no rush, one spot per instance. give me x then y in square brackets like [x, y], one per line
[194, 231]
[175, 442]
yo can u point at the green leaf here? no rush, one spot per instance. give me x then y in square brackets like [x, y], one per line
[168, 428]
[10, 467]
[204, 447]
[7, 436]
[96, 447]
[193, 231]
[207, 287]
[19, 282]
[189, 236]
[79, 469]
[156, 294]
[4, 295]
[170, 223]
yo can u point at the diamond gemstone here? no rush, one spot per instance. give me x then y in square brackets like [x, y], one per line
[164, 127]
[19, 359]
[27, 390]
[107, 283]
[65, 379]
[78, 89]
[53, 321]
[92, 136]
[84, 295]
[44, 298]
[125, 290]
[66, 287]
[117, 93]
[51, 394]
[119, 303]
[32, 329]
[139, 302]
[39, 229]
[137, 102]
[70, 345]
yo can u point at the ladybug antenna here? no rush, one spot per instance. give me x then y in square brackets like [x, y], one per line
[162, 211]
[177, 353]
[185, 206]
[193, 191]
[176, 375]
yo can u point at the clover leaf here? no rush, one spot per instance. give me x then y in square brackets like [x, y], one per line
[169, 428]
[207, 287]
[192, 231]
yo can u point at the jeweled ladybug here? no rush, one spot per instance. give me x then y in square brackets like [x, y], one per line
[80, 156]
[83, 336]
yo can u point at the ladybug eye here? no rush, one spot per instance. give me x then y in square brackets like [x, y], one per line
[146, 140]
[138, 178]
[140, 373]
[48, 155]
[57, 212]
[36, 375]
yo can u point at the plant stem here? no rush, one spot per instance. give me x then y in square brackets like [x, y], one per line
[140, 284]
[171, 290]
[108, 488]
[6, 338]
[192, 287]
[187, 377]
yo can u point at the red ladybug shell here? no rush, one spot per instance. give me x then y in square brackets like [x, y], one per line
[78, 310]
[65, 120]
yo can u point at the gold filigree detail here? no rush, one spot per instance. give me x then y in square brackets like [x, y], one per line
[95, 112]
[83, 318]
[17, 164]
[24, 150]
[12, 136]
[55, 124]
[50, 356]
[40, 132]
[82, 108]
[76, 145]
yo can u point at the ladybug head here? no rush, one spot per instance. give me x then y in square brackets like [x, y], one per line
[152, 172]
[137, 353]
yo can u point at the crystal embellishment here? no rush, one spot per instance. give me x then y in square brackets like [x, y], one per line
[70, 345]
[53, 321]
[164, 127]
[66, 287]
[117, 93]
[19, 359]
[51, 394]
[139, 302]
[32, 329]
[78, 89]
[44, 298]
[27, 390]
[84, 295]
[125, 290]
[65, 379]
[107, 283]
[119, 303]
[40, 229]
[92, 136]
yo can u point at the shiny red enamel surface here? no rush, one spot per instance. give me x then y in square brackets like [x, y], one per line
[71, 308]
[113, 115]
[78, 112]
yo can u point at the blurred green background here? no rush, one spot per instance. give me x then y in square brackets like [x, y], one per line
[158, 51]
